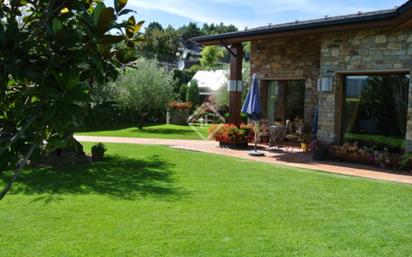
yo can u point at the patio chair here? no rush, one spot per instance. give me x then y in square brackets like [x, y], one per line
[277, 136]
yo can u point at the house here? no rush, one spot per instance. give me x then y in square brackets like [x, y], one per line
[210, 82]
[352, 72]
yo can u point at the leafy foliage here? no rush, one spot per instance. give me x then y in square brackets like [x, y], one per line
[146, 90]
[52, 53]
[160, 44]
[193, 93]
[211, 56]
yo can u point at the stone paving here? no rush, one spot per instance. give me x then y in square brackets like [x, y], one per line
[290, 158]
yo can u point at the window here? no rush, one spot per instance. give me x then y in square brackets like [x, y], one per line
[375, 110]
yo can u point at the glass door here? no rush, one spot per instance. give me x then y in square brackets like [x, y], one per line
[273, 89]
[285, 100]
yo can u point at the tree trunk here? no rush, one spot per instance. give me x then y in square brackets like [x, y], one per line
[17, 172]
[141, 121]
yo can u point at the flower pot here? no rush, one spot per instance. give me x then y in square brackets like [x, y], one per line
[97, 157]
[234, 145]
[304, 147]
[320, 154]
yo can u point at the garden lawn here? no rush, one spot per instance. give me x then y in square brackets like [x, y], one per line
[157, 201]
[156, 131]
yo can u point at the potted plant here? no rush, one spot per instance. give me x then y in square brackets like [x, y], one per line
[178, 112]
[319, 150]
[229, 135]
[305, 143]
[98, 152]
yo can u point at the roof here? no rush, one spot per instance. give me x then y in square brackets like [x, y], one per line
[378, 18]
[212, 80]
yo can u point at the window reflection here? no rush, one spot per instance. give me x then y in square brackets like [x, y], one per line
[375, 110]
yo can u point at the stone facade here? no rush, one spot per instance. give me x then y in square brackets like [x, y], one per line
[333, 55]
[354, 52]
[291, 58]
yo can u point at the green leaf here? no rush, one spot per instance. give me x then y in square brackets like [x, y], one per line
[131, 23]
[138, 26]
[57, 25]
[97, 12]
[125, 11]
[67, 80]
[111, 39]
[106, 19]
[35, 99]
[119, 4]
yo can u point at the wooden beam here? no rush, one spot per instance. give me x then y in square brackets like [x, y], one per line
[235, 87]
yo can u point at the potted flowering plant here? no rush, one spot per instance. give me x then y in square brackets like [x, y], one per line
[229, 135]
[305, 141]
[178, 112]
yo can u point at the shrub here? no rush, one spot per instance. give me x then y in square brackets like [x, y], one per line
[366, 155]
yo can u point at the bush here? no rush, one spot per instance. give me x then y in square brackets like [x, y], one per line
[366, 155]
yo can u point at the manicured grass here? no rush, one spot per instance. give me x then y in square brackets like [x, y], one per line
[156, 131]
[156, 201]
[377, 139]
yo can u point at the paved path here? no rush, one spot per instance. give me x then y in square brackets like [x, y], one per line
[296, 159]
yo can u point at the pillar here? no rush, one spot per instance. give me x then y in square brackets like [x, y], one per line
[235, 84]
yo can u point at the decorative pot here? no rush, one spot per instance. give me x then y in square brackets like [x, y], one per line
[320, 154]
[304, 147]
[234, 145]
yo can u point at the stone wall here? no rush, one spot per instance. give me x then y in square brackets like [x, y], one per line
[352, 52]
[291, 58]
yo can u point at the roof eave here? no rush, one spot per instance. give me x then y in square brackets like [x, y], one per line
[380, 20]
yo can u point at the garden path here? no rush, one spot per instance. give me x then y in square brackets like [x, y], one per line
[294, 159]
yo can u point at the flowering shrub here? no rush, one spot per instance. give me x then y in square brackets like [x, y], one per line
[180, 106]
[230, 133]
[366, 155]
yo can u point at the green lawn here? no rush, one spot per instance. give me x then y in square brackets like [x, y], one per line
[155, 131]
[377, 139]
[157, 201]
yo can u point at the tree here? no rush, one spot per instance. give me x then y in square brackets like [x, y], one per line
[153, 26]
[193, 93]
[160, 44]
[211, 57]
[53, 54]
[221, 28]
[146, 90]
[190, 31]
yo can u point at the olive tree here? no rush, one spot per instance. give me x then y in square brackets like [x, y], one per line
[53, 53]
[147, 90]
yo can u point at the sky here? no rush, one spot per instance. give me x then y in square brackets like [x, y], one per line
[248, 13]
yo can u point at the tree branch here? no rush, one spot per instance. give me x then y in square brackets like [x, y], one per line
[18, 135]
[17, 172]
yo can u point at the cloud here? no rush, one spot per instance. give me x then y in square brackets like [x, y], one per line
[244, 13]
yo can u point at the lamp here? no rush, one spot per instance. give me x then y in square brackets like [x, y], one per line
[325, 84]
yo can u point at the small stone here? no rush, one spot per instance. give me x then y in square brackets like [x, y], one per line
[380, 39]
